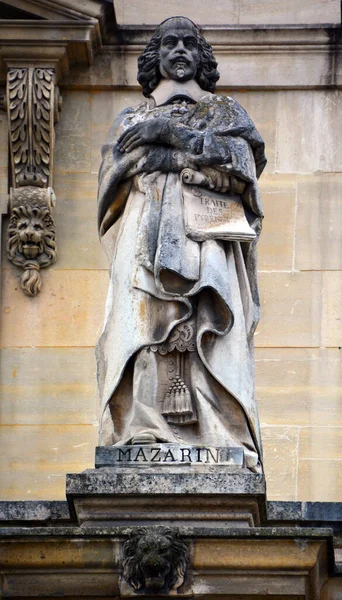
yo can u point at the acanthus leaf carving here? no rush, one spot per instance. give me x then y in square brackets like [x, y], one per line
[31, 116]
[33, 103]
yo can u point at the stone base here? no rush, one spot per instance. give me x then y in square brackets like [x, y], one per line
[203, 496]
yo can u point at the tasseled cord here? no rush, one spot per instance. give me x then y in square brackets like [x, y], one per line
[177, 406]
[31, 281]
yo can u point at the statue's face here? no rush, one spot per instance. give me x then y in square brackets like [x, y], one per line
[179, 53]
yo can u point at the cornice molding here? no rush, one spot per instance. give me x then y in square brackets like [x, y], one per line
[246, 35]
[273, 57]
[48, 43]
[70, 9]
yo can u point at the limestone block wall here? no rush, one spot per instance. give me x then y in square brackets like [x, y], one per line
[48, 399]
[234, 12]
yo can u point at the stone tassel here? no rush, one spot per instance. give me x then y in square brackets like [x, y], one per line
[177, 406]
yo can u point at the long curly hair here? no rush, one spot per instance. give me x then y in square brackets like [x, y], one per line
[148, 62]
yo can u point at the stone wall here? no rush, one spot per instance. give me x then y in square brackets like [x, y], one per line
[48, 409]
[232, 12]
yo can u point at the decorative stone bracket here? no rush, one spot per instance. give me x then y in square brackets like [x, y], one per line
[155, 560]
[33, 104]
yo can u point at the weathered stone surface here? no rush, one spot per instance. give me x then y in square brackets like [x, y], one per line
[34, 511]
[324, 443]
[319, 479]
[281, 455]
[149, 495]
[319, 222]
[66, 312]
[289, 11]
[331, 310]
[35, 458]
[129, 13]
[291, 310]
[232, 12]
[299, 149]
[276, 246]
[42, 386]
[190, 531]
[245, 563]
[177, 481]
[167, 455]
[284, 511]
[79, 246]
[307, 381]
[326, 512]
[73, 134]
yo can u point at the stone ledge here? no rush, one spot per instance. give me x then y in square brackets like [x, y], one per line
[322, 512]
[208, 480]
[165, 495]
[76, 562]
[33, 511]
[295, 533]
[245, 35]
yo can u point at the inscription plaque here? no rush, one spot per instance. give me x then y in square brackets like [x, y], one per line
[209, 214]
[166, 455]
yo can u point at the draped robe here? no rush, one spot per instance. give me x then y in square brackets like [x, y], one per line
[157, 272]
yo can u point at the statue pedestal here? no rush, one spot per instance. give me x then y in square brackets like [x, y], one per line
[207, 494]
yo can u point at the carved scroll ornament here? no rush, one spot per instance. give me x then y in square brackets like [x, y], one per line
[33, 103]
[155, 560]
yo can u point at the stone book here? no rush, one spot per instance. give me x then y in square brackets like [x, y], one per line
[212, 215]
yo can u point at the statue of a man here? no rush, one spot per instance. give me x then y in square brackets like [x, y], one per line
[179, 217]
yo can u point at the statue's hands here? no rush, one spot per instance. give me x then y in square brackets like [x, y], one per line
[219, 181]
[140, 134]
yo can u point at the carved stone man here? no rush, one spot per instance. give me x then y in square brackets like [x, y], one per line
[179, 217]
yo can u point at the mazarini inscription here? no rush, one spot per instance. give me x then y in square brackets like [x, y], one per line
[180, 216]
[167, 454]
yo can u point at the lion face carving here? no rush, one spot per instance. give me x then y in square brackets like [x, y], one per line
[31, 243]
[155, 560]
[30, 237]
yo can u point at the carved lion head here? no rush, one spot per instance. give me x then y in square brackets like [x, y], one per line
[31, 243]
[155, 560]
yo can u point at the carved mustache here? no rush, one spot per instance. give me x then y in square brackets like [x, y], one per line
[180, 58]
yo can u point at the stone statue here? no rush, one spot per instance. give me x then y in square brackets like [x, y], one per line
[179, 217]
